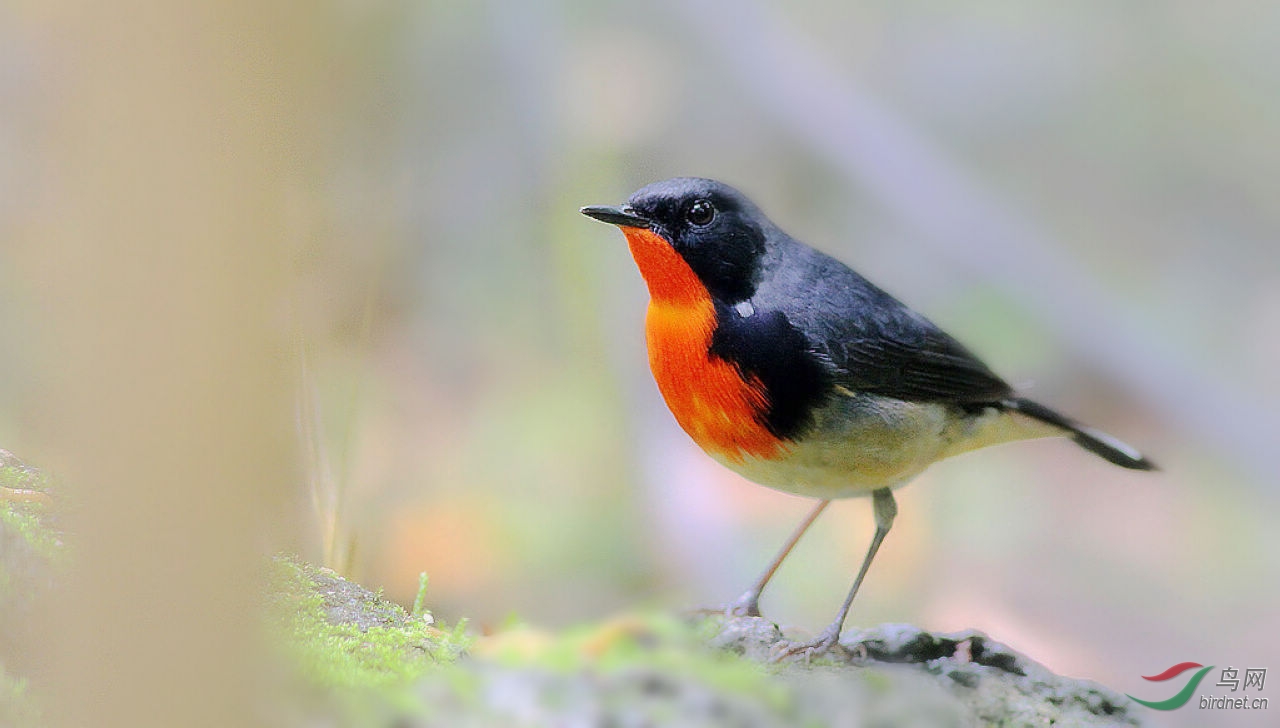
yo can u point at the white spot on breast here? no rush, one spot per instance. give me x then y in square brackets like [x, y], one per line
[745, 309]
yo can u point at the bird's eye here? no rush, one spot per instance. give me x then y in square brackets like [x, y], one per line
[700, 212]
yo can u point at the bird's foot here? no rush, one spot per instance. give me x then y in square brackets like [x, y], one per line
[827, 641]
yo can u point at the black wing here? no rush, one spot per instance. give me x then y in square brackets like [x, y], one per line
[907, 357]
[875, 343]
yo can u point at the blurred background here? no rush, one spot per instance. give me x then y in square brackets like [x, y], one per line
[1084, 193]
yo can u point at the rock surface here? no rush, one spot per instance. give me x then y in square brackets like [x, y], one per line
[988, 682]
[892, 675]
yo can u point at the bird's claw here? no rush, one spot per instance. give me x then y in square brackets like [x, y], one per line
[825, 642]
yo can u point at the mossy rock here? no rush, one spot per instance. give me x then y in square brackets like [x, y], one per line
[29, 539]
[345, 637]
[31, 550]
[378, 665]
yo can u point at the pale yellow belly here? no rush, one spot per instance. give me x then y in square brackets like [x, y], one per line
[864, 443]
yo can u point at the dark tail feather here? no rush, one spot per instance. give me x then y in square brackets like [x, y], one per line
[1095, 441]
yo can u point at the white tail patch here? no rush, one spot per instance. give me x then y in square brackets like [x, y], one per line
[1111, 442]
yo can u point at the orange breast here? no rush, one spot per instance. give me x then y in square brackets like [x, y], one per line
[710, 399]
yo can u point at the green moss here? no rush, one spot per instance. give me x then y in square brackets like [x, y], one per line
[15, 475]
[648, 641]
[27, 522]
[31, 550]
[343, 637]
[369, 658]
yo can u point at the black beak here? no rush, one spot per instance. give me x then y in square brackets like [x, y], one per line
[622, 216]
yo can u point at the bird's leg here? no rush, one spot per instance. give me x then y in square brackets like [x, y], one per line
[886, 508]
[748, 605]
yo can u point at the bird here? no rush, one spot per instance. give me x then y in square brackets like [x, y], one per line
[797, 373]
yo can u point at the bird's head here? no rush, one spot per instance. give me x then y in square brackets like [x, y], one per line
[691, 237]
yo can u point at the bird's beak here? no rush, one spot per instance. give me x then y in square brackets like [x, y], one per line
[621, 216]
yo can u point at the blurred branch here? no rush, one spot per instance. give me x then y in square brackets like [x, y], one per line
[321, 484]
[955, 217]
[329, 483]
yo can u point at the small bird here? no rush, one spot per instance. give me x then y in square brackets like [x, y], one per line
[792, 370]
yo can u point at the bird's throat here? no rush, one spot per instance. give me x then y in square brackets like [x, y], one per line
[720, 408]
[669, 277]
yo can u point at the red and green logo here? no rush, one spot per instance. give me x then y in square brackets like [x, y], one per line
[1184, 694]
